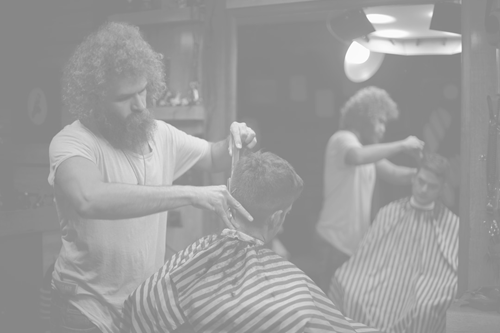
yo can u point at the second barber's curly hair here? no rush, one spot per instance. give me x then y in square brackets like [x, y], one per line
[115, 49]
[365, 105]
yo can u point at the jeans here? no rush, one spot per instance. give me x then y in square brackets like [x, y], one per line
[66, 318]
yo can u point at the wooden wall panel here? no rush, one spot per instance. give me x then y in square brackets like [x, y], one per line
[219, 80]
[478, 80]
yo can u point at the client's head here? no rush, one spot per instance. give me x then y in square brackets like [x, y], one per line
[266, 185]
[429, 181]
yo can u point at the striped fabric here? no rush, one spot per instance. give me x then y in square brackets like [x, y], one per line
[404, 276]
[232, 283]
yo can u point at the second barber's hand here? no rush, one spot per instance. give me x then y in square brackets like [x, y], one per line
[414, 146]
[412, 143]
[218, 199]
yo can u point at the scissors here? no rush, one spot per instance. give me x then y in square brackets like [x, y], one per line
[235, 156]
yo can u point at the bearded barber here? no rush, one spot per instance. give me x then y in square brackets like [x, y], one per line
[112, 172]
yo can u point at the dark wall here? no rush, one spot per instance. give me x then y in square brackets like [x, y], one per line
[271, 56]
[37, 37]
[23, 38]
[424, 87]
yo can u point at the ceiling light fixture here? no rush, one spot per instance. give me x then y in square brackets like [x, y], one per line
[350, 25]
[450, 34]
[432, 29]
[360, 63]
[360, 72]
[413, 46]
[380, 18]
[357, 54]
[391, 33]
[447, 17]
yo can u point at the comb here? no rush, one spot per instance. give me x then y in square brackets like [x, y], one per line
[235, 156]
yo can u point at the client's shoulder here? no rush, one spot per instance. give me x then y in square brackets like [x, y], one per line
[397, 204]
[204, 245]
[444, 216]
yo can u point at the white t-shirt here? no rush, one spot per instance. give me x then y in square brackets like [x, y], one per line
[347, 195]
[102, 261]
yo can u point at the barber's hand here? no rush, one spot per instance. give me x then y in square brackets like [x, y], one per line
[413, 143]
[218, 199]
[242, 135]
[414, 146]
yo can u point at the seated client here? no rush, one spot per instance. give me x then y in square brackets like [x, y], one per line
[403, 277]
[231, 282]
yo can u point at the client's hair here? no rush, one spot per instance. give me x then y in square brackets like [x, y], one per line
[437, 164]
[264, 183]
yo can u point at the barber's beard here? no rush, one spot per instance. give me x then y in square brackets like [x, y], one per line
[130, 133]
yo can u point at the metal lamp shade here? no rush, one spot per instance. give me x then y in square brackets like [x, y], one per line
[364, 71]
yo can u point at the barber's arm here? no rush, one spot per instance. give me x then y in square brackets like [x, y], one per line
[376, 152]
[395, 174]
[80, 181]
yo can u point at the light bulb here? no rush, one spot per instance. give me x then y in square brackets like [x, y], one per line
[380, 18]
[357, 54]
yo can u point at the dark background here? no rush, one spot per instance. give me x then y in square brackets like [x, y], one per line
[270, 55]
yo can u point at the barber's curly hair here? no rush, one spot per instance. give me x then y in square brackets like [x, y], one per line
[115, 49]
[365, 105]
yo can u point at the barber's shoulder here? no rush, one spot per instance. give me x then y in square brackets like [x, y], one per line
[167, 131]
[344, 138]
[74, 140]
[72, 133]
[339, 135]
[448, 213]
[398, 204]
[197, 251]
[76, 128]
[162, 126]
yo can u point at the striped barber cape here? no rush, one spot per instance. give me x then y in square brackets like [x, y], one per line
[232, 283]
[403, 277]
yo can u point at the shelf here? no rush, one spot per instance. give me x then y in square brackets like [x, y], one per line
[160, 16]
[179, 113]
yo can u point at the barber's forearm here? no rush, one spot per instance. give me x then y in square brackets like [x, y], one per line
[403, 175]
[221, 160]
[373, 153]
[394, 174]
[111, 201]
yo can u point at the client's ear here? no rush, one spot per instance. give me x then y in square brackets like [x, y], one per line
[277, 220]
